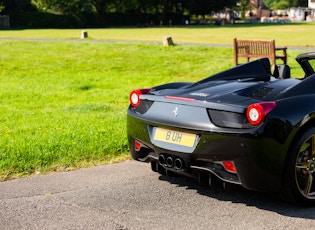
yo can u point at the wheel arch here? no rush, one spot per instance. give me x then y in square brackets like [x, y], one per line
[307, 125]
[302, 129]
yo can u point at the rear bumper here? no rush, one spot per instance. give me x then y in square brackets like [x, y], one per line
[257, 159]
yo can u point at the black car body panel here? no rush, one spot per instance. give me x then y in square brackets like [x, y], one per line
[210, 115]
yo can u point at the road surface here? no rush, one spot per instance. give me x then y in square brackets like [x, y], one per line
[129, 195]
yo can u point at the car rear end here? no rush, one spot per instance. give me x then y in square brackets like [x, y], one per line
[190, 134]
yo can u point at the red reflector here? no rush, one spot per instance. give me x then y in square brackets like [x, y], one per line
[180, 98]
[137, 146]
[229, 166]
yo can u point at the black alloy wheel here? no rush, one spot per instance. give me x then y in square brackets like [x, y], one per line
[299, 181]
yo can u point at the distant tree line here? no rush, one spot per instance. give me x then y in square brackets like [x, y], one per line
[285, 4]
[103, 13]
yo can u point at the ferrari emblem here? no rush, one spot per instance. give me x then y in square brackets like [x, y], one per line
[175, 112]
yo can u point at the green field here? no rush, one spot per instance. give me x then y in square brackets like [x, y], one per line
[64, 102]
[292, 34]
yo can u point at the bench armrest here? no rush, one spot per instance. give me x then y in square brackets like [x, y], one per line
[281, 48]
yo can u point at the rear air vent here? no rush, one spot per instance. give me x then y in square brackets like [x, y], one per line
[143, 107]
[229, 119]
[261, 93]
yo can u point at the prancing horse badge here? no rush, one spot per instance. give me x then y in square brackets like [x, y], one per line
[175, 112]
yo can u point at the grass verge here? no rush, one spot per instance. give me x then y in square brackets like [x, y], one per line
[290, 34]
[64, 103]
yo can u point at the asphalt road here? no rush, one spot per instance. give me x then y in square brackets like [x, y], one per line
[129, 196]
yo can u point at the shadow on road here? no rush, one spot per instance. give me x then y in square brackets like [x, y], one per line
[265, 201]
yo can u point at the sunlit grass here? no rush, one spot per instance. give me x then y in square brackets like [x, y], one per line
[290, 34]
[63, 104]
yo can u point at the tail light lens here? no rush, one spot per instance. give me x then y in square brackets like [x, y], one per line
[256, 113]
[135, 96]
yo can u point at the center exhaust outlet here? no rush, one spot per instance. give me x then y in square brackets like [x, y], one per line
[169, 162]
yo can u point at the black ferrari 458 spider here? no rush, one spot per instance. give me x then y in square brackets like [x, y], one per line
[244, 126]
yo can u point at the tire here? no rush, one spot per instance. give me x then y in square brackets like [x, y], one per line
[299, 172]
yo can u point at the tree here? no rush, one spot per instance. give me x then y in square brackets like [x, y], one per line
[244, 6]
[223, 4]
[203, 7]
[60, 6]
[284, 4]
[2, 6]
[15, 6]
[301, 3]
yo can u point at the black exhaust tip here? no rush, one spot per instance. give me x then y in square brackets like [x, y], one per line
[178, 164]
[169, 162]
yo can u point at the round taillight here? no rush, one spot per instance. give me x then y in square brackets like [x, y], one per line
[256, 113]
[135, 97]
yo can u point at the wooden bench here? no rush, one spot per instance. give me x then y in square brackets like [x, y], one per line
[259, 49]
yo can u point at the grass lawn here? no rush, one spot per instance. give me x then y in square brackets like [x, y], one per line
[64, 103]
[291, 34]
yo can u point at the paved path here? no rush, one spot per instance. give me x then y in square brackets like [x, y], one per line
[129, 196]
[301, 48]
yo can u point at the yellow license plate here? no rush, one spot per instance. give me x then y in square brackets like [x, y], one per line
[174, 137]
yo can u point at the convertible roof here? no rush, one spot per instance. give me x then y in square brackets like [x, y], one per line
[257, 70]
